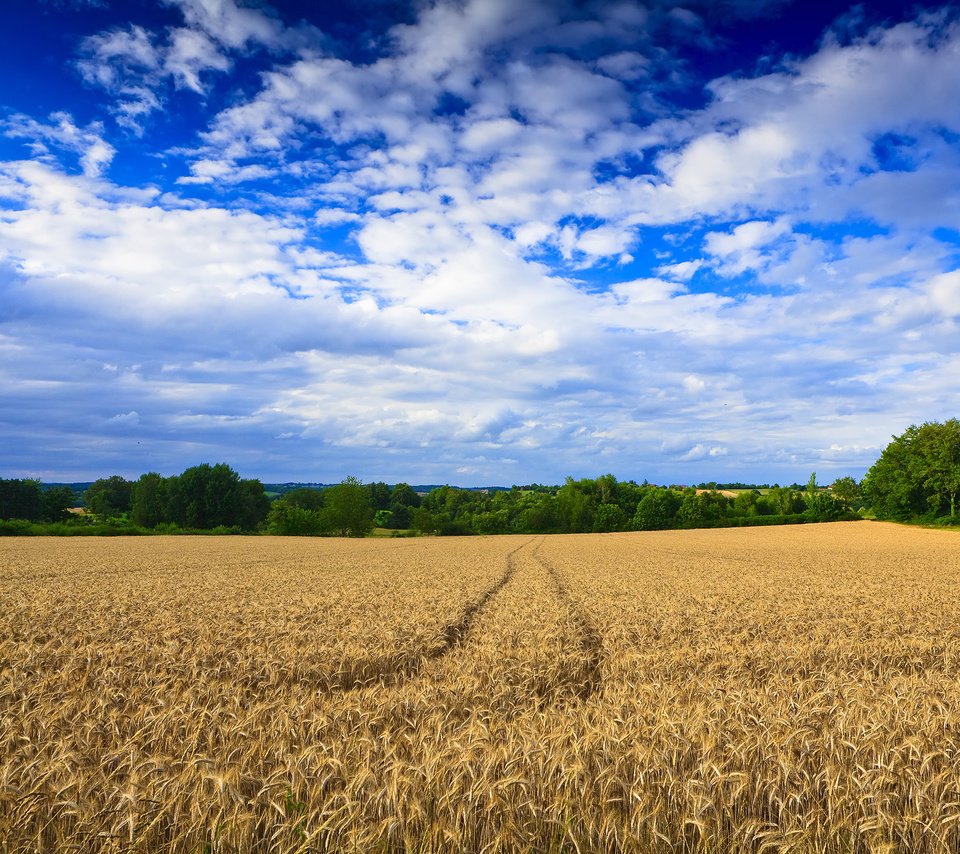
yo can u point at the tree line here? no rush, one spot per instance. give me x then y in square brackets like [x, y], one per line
[605, 504]
[205, 497]
[917, 477]
[214, 497]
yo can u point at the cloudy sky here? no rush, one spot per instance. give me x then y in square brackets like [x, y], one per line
[475, 241]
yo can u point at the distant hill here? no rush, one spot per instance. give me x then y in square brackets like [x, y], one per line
[277, 489]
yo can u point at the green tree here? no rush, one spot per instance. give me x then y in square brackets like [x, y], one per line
[656, 510]
[917, 473]
[208, 496]
[425, 522]
[347, 508]
[893, 486]
[606, 488]
[745, 504]
[383, 519]
[252, 505]
[379, 495]
[702, 508]
[492, 522]
[305, 497]
[783, 500]
[403, 500]
[55, 501]
[847, 490]
[148, 501]
[609, 517]
[109, 496]
[939, 446]
[534, 513]
[402, 495]
[574, 506]
[287, 519]
[21, 499]
[400, 516]
[824, 507]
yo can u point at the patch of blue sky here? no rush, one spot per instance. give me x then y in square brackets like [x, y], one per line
[628, 165]
[894, 152]
[837, 232]
[947, 235]
[339, 237]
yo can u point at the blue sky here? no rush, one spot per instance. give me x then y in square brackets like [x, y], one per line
[476, 242]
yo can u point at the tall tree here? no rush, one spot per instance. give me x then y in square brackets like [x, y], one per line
[208, 496]
[379, 495]
[56, 500]
[657, 509]
[917, 473]
[848, 491]
[109, 496]
[940, 452]
[21, 499]
[347, 508]
[403, 501]
[305, 497]
[575, 508]
[148, 502]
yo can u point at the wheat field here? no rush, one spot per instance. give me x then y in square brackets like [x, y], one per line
[725, 690]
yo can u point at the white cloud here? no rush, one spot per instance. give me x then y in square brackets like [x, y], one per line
[746, 237]
[109, 54]
[232, 25]
[224, 172]
[133, 64]
[190, 53]
[779, 141]
[944, 292]
[334, 216]
[94, 152]
[626, 65]
[484, 158]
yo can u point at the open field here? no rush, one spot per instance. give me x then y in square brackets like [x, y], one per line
[731, 689]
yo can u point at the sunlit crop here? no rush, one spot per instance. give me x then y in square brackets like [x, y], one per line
[736, 689]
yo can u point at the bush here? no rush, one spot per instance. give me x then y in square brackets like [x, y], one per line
[16, 528]
[454, 528]
[753, 521]
[22, 528]
[167, 528]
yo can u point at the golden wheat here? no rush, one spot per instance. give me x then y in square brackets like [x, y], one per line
[731, 690]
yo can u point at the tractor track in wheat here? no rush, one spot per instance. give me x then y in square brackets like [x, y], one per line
[585, 674]
[407, 664]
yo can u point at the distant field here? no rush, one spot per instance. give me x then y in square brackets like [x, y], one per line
[712, 690]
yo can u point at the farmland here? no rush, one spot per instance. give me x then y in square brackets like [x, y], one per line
[708, 690]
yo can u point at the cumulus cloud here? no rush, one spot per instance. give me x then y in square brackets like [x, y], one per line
[95, 153]
[231, 25]
[133, 64]
[547, 266]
